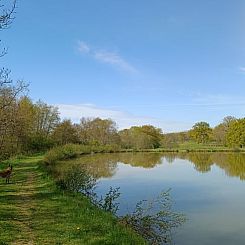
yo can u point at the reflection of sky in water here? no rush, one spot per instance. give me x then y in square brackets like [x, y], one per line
[213, 202]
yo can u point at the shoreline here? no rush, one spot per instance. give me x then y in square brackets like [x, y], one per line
[34, 210]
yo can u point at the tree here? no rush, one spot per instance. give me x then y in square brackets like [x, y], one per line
[172, 140]
[219, 134]
[228, 120]
[201, 132]
[98, 131]
[9, 96]
[220, 131]
[46, 118]
[236, 133]
[65, 133]
[143, 137]
[25, 117]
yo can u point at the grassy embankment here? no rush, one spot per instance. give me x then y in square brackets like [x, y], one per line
[34, 211]
[191, 147]
[72, 150]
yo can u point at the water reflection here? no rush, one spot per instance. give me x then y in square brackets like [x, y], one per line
[212, 202]
[232, 163]
[105, 165]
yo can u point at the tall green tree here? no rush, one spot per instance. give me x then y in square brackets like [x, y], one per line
[45, 120]
[201, 132]
[236, 133]
[220, 131]
[98, 131]
[141, 137]
[10, 92]
[65, 133]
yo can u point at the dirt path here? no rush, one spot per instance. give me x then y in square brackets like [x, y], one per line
[18, 200]
[25, 205]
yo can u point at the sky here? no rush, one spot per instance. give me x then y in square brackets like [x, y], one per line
[169, 63]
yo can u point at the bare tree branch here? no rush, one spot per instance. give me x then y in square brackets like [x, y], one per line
[6, 19]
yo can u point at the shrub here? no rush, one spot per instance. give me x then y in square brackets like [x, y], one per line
[154, 220]
[78, 180]
[63, 152]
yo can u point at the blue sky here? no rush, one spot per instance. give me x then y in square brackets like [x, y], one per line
[169, 63]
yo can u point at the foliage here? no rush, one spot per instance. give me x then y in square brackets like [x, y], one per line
[154, 220]
[46, 118]
[236, 133]
[98, 131]
[220, 131]
[173, 140]
[64, 152]
[78, 180]
[143, 137]
[65, 133]
[108, 203]
[9, 95]
[201, 132]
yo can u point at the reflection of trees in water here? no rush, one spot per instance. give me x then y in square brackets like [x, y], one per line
[144, 160]
[99, 165]
[105, 165]
[232, 163]
[202, 161]
[170, 157]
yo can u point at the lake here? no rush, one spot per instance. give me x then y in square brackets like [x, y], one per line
[208, 188]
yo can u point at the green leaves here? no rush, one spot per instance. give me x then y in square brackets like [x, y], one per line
[236, 133]
[201, 132]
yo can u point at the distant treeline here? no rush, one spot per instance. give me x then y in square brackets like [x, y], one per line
[27, 127]
[230, 133]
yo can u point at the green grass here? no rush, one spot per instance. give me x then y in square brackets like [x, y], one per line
[195, 147]
[34, 211]
[192, 146]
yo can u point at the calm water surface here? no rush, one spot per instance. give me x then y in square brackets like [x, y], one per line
[208, 188]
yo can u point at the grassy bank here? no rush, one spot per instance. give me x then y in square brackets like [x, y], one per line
[34, 211]
[75, 150]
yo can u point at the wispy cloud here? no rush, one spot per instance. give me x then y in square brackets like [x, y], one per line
[115, 60]
[242, 69]
[122, 118]
[107, 57]
[83, 47]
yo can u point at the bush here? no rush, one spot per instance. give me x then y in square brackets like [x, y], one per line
[78, 180]
[61, 153]
[108, 203]
[154, 220]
